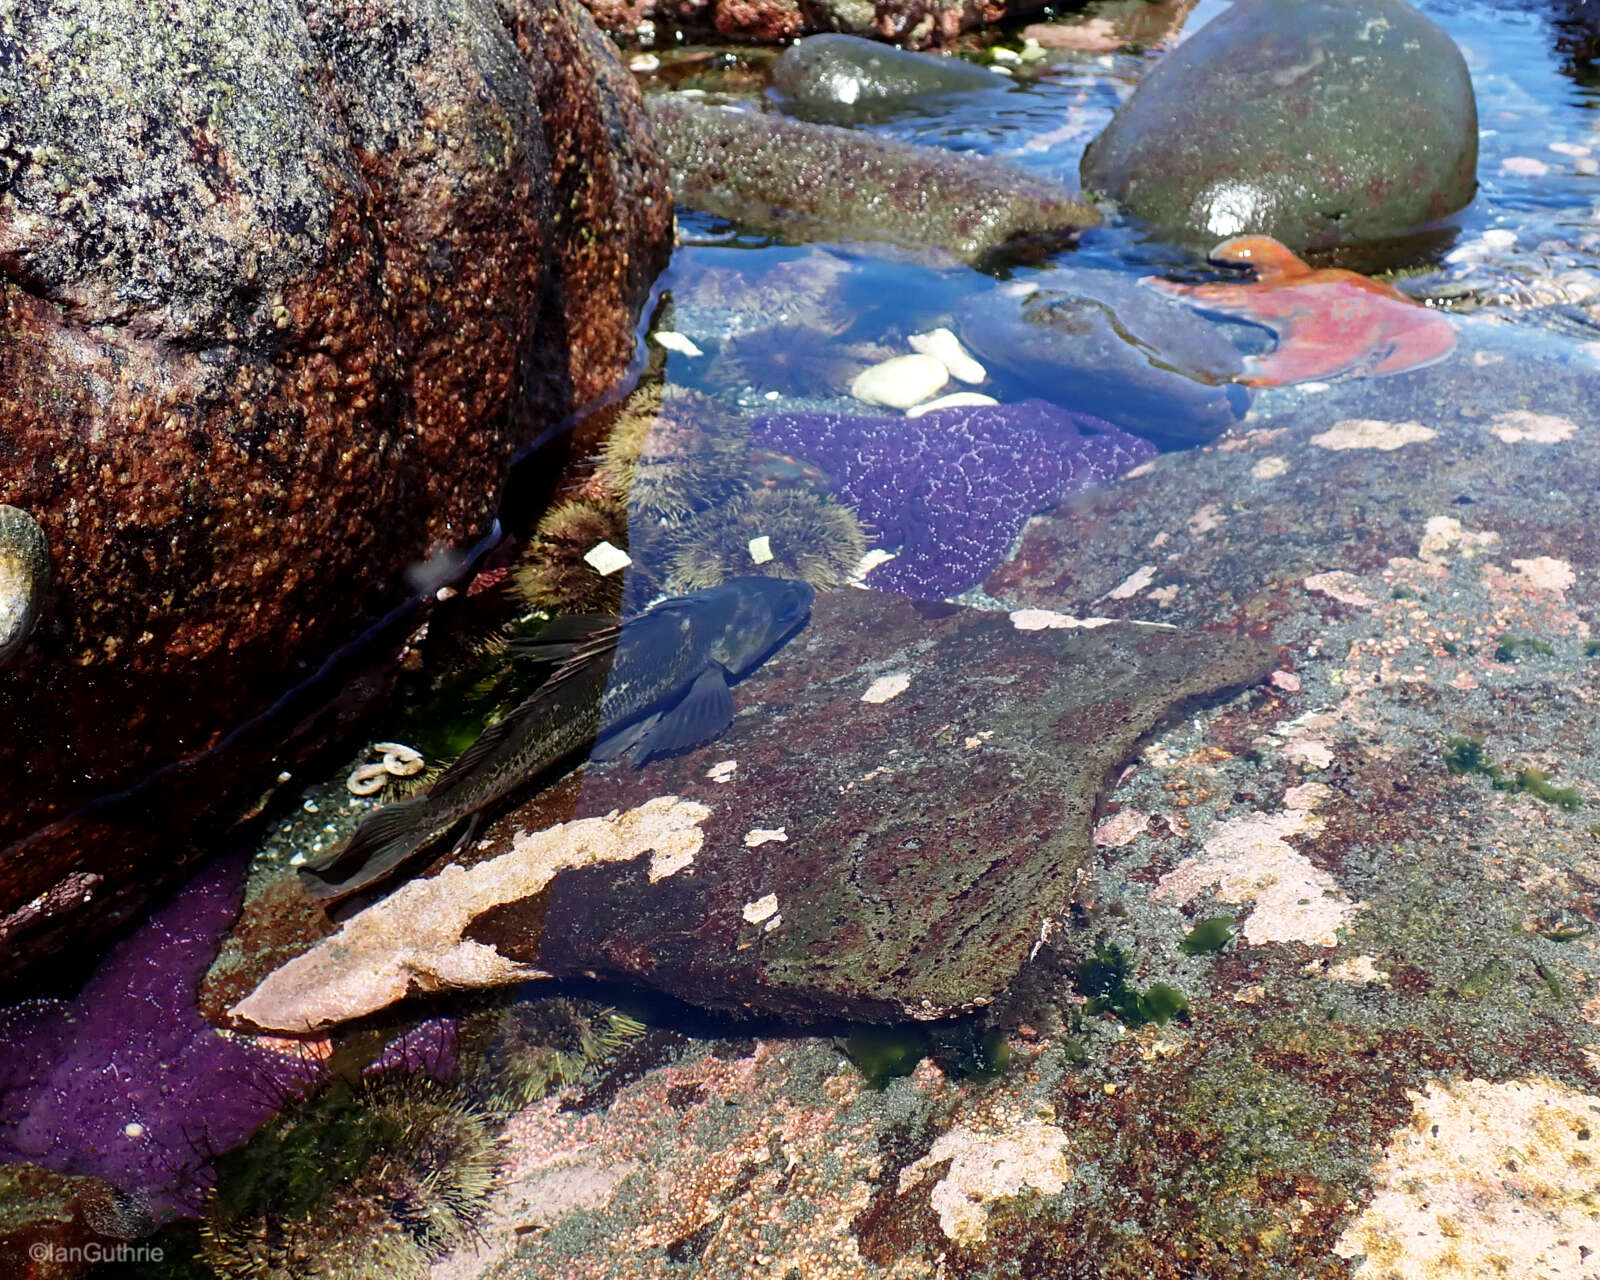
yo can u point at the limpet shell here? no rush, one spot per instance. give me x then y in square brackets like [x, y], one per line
[24, 578]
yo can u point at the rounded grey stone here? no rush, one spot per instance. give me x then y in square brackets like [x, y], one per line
[1318, 122]
[842, 78]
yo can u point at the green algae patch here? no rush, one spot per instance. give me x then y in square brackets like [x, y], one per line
[1208, 937]
[1463, 756]
[1510, 648]
[963, 1050]
[1103, 980]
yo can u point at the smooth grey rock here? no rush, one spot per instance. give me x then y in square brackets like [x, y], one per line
[844, 79]
[1317, 122]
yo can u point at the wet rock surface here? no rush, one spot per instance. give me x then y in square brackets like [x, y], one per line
[1372, 881]
[1321, 124]
[1113, 347]
[903, 800]
[916, 24]
[265, 356]
[817, 182]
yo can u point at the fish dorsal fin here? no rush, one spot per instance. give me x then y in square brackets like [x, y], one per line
[385, 839]
[560, 638]
[598, 649]
[705, 711]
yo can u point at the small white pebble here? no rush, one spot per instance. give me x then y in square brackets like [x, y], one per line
[722, 771]
[284, 777]
[606, 559]
[1500, 238]
[760, 549]
[674, 341]
[310, 806]
[1568, 149]
[644, 62]
[759, 836]
[133, 1129]
[1001, 54]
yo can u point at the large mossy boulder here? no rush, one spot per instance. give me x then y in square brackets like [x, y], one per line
[1317, 122]
[283, 286]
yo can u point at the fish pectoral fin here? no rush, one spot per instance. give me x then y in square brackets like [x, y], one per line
[385, 839]
[616, 745]
[705, 711]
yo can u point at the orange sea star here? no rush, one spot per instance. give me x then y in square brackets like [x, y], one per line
[1329, 322]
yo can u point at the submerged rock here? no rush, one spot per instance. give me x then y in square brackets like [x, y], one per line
[1103, 344]
[845, 79]
[816, 182]
[883, 838]
[321, 271]
[1320, 123]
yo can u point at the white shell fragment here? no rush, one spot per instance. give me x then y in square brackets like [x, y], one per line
[901, 382]
[605, 559]
[950, 402]
[760, 549]
[946, 348]
[674, 341]
[24, 577]
[885, 688]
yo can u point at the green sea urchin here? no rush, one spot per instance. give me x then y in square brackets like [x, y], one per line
[366, 1182]
[531, 1048]
[689, 455]
[781, 533]
[24, 578]
[794, 359]
[552, 572]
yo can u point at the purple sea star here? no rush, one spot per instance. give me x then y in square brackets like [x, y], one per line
[954, 487]
[127, 1081]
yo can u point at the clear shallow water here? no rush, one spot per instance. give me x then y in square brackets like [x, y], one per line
[1536, 190]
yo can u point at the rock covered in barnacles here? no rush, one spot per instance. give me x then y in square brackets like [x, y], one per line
[892, 838]
[347, 259]
[818, 182]
[24, 578]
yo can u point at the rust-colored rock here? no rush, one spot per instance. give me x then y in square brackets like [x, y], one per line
[283, 285]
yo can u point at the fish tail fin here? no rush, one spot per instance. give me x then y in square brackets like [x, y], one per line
[385, 839]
